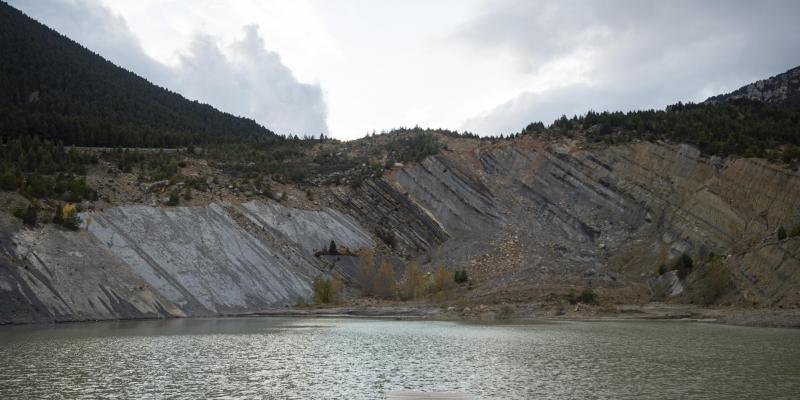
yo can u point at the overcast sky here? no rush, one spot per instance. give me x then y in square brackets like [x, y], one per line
[350, 67]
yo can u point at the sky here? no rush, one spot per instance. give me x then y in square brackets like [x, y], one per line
[347, 68]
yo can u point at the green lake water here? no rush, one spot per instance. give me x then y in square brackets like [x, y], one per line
[342, 358]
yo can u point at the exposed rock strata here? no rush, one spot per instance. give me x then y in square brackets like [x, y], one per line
[526, 218]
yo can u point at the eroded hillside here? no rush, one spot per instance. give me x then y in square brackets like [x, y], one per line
[529, 219]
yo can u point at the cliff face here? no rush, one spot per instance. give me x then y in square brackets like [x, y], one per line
[47, 274]
[536, 214]
[201, 259]
[146, 262]
[527, 218]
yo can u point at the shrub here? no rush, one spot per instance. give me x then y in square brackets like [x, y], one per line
[461, 276]
[326, 290]
[28, 214]
[659, 292]
[442, 279]
[384, 283]
[414, 283]
[586, 296]
[662, 269]
[505, 311]
[715, 282]
[69, 217]
[683, 265]
[366, 273]
[173, 199]
[781, 233]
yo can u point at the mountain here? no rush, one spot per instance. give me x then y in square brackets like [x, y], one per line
[783, 89]
[53, 87]
[693, 204]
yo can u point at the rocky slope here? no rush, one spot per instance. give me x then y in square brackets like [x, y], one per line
[780, 89]
[528, 218]
[530, 214]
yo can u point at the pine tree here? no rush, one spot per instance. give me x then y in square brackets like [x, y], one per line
[332, 250]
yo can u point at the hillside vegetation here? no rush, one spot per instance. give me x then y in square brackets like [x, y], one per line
[56, 89]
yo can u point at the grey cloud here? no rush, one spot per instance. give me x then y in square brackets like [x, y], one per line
[646, 54]
[250, 81]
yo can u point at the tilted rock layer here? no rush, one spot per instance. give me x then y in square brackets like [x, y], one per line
[527, 218]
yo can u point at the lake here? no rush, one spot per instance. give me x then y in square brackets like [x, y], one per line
[344, 358]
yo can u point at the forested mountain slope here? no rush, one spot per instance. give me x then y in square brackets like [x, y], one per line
[54, 88]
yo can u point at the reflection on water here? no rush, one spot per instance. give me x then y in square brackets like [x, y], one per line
[299, 358]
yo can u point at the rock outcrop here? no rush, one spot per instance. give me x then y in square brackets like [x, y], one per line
[392, 216]
[527, 218]
[312, 230]
[781, 89]
[529, 212]
[48, 274]
[201, 259]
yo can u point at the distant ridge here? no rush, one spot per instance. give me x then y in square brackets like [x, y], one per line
[782, 89]
[53, 87]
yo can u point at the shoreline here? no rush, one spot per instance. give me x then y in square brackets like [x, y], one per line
[767, 317]
[777, 318]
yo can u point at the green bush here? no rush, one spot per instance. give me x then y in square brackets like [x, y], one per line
[586, 296]
[781, 233]
[461, 276]
[173, 199]
[28, 214]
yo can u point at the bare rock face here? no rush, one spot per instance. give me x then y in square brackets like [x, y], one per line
[392, 216]
[311, 230]
[201, 259]
[528, 212]
[48, 274]
[526, 218]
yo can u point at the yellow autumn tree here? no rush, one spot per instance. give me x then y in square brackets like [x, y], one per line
[69, 215]
[69, 210]
[365, 275]
[384, 282]
[327, 289]
[414, 283]
[442, 279]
